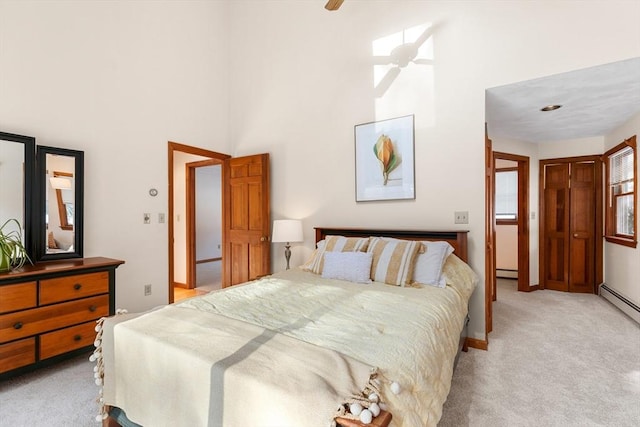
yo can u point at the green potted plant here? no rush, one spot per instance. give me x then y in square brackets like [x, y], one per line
[12, 251]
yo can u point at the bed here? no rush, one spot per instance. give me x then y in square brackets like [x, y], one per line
[300, 347]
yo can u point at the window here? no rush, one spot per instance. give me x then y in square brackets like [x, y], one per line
[621, 193]
[506, 196]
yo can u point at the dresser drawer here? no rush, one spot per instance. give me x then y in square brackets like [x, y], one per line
[64, 340]
[18, 297]
[73, 287]
[38, 320]
[17, 354]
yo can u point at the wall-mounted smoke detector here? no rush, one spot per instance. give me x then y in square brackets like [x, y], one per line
[551, 107]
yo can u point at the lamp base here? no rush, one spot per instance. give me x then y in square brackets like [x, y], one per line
[287, 253]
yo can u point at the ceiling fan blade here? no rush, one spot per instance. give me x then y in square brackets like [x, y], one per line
[386, 82]
[333, 4]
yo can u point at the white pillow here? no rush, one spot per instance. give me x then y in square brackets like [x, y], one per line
[335, 244]
[351, 266]
[428, 267]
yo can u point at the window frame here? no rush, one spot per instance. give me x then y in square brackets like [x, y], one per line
[509, 221]
[611, 234]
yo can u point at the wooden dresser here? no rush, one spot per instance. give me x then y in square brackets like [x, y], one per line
[48, 310]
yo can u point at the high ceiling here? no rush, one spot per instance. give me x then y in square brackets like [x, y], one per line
[594, 101]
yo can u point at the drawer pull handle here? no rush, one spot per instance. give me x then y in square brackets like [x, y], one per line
[77, 337]
[77, 286]
[93, 308]
[17, 325]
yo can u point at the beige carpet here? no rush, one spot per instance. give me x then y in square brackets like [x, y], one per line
[58, 396]
[555, 359]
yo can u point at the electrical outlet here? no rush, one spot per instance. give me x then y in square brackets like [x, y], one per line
[461, 217]
[161, 218]
[147, 290]
[146, 218]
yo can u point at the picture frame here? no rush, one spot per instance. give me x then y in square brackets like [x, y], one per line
[385, 160]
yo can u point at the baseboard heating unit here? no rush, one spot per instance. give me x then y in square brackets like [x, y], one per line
[504, 273]
[628, 307]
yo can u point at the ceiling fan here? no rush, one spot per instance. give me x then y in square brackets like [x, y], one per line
[333, 4]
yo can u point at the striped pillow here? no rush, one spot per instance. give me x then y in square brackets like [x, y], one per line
[336, 244]
[393, 260]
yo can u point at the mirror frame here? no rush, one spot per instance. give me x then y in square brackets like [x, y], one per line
[41, 183]
[28, 214]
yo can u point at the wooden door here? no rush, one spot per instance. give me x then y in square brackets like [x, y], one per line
[571, 224]
[246, 220]
[490, 233]
[555, 226]
[582, 227]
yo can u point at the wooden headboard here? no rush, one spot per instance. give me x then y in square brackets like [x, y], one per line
[457, 239]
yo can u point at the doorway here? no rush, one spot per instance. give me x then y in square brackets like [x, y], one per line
[183, 162]
[204, 225]
[511, 211]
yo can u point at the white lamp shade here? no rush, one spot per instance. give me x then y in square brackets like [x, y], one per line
[287, 230]
[58, 183]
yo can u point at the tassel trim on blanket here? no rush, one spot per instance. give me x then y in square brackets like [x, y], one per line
[367, 404]
[98, 370]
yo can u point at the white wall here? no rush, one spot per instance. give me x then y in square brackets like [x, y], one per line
[622, 263]
[303, 78]
[11, 171]
[118, 80]
[571, 148]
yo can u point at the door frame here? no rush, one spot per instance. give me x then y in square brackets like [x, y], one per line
[489, 236]
[173, 147]
[523, 220]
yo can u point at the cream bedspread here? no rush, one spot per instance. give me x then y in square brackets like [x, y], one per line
[410, 334]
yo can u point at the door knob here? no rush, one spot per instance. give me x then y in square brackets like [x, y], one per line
[575, 235]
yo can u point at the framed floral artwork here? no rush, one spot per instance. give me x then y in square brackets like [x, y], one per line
[385, 166]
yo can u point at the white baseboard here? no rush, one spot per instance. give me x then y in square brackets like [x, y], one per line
[626, 306]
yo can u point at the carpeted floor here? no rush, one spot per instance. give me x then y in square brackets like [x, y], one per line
[554, 359]
[63, 395]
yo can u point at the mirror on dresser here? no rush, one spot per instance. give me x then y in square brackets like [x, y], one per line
[60, 183]
[17, 162]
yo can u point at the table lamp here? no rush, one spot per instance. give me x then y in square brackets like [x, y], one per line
[287, 230]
